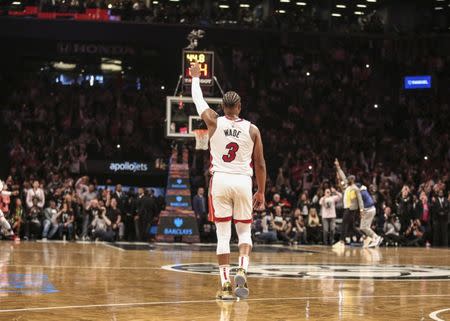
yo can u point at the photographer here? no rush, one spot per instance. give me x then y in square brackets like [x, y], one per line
[414, 233]
[90, 214]
[391, 228]
[268, 234]
[101, 226]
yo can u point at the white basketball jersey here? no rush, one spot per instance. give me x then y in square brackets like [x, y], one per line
[231, 147]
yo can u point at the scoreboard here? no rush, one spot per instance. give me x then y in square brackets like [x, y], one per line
[205, 60]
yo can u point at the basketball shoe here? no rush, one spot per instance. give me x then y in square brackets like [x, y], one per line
[226, 292]
[240, 279]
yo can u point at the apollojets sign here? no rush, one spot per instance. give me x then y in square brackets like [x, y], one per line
[328, 271]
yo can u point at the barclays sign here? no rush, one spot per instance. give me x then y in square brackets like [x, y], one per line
[178, 226]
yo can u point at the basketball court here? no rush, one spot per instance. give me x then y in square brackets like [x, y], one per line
[75, 281]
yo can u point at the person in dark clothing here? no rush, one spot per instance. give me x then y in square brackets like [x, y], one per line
[146, 210]
[199, 205]
[404, 203]
[120, 197]
[439, 212]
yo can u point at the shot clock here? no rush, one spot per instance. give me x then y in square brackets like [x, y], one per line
[206, 61]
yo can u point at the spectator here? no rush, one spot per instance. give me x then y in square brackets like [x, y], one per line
[299, 228]
[404, 203]
[414, 233]
[67, 220]
[146, 209]
[35, 193]
[439, 212]
[392, 227]
[33, 220]
[101, 226]
[268, 233]
[279, 225]
[328, 212]
[199, 205]
[89, 214]
[51, 221]
[115, 216]
[423, 210]
[313, 226]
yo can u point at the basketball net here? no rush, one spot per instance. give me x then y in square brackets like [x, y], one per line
[201, 139]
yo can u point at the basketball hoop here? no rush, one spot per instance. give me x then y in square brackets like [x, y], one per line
[201, 139]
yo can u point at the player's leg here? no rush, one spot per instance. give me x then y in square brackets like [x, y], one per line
[221, 211]
[366, 227]
[242, 215]
[5, 225]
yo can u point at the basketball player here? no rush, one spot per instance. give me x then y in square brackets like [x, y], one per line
[235, 146]
[5, 226]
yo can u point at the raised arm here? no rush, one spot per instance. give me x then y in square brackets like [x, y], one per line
[340, 172]
[259, 164]
[208, 115]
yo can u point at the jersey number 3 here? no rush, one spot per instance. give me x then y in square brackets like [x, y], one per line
[232, 150]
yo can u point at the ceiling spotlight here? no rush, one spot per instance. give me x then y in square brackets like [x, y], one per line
[285, 1]
[162, 87]
[438, 8]
[342, 6]
[375, 106]
[244, 5]
[371, 0]
[367, 66]
[336, 14]
[224, 6]
[361, 6]
[300, 3]
[359, 13]
[118, 146]
[308, 74]
[281, 11]
[425, 157]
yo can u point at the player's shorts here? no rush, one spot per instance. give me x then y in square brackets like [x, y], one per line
[230, 197]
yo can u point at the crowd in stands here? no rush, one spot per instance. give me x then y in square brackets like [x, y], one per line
[312, 106]
[296, 18]
[71, 210]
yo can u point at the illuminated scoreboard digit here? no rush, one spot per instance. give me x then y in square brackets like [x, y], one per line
[206, 61]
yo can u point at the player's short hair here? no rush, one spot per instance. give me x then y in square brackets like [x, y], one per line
[230, 99]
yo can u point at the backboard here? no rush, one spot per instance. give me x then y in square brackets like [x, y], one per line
[182, 117]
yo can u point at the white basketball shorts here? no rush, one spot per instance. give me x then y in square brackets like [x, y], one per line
[230, 197]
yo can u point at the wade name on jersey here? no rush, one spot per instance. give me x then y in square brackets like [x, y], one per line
[232, 132]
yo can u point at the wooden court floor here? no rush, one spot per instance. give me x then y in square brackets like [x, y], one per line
[68, 281]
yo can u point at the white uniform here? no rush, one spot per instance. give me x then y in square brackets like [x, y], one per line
[231, 148]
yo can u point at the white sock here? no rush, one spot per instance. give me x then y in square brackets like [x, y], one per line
[224, 271]
[243, 262]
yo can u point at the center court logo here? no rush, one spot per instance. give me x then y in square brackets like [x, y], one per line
[328, 271]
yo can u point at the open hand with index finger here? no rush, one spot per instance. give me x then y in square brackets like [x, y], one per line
[194, 70]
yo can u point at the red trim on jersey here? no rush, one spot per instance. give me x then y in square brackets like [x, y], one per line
[223, 219]
[251, 164]
[210, 163]
[243, 221]
[210, 202]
